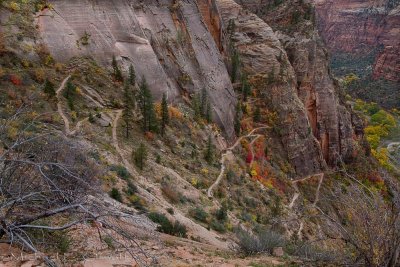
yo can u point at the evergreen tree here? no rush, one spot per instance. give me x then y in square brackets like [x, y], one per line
[209, 154]
[49, 89]
[129, 106]
[132, 75]
[237, 123]
[116, 70]
[139, 156]
[69, 94]
[164, 114]
[196, 107]
[246, 88]
[235, 61]
[208, 115]
[204, 102]
[257, 115]
[91, 118]
[147, 107]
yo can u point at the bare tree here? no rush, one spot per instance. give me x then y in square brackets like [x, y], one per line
[366, 222]
[43, 176]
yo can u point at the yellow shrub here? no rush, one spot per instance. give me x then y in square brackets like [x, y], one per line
[382, 155]
[373, 140]
[14, 6]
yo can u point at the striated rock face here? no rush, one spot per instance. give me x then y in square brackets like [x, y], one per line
[356, 26]
[330, 120]
[261, 53]
[166, 41]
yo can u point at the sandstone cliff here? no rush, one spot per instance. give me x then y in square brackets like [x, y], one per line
[330, 119]
[167, 42]
[358, 27]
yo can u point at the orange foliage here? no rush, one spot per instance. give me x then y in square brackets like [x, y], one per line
[175, 113]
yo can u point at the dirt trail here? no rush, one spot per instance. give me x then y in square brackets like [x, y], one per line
[229, 152]
[297, 193]
[59, 106]
[196, 229]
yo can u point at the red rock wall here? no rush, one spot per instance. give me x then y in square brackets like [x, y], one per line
[357, 26]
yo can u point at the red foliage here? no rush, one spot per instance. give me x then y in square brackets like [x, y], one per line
[249, 157]
[15, 80]
[279, 185]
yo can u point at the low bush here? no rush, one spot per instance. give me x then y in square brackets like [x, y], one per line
[263, 241]
[115, 194]
[171, 193]
[217, 226]
[121, 171]
[166, 226]
[199, 214]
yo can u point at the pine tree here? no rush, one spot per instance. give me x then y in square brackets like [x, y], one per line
[164, 114]
[235, 60]
[246, 88]
[237, 121]
[129, 106]
[209, 154]
[208, 115]
[147, 107]
[196, 107]
[69, 94]
[257, 115]
[204, 101]
[132, 75]
[116, 70]
[139, 156]
[49, 89]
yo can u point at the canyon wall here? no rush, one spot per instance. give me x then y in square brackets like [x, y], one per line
[168, 43]
[331, 121]
[360, 26]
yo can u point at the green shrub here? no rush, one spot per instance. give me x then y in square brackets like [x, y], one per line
[115, 194]
[121, 171]
[217, 226]
[165, 225]
[199, 214]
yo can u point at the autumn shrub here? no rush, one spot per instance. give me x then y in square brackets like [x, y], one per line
[16, 80]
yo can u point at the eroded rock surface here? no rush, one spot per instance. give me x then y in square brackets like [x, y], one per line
[331, 122]
[262, 53]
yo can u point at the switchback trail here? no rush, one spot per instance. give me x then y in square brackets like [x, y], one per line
[229, 152]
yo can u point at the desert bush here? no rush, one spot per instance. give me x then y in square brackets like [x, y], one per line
[263, 241]
[171, 193]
